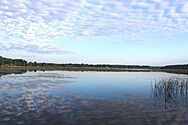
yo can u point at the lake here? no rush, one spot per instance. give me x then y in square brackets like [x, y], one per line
[90, 98]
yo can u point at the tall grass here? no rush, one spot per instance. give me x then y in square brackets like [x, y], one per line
[171, 90]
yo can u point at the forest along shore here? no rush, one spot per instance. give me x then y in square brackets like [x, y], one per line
[8, 65]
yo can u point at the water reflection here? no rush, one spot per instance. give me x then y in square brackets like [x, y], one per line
[32, 99]
[41, 109]
[16, 83]
[6, 72]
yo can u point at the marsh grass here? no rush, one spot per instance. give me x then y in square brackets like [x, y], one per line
[170, 90]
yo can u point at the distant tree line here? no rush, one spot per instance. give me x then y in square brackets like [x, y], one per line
[176, 67]
[111, 66]
[12, 62]
[106, 66]
[20, 62]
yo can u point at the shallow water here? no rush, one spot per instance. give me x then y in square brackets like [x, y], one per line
[87, 98]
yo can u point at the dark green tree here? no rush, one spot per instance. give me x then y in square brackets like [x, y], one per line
[1, 60]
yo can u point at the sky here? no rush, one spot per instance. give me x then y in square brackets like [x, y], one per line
[136, 32]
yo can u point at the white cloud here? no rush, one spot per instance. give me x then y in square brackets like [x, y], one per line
[32, 47]
[36, 22]
[185, 8]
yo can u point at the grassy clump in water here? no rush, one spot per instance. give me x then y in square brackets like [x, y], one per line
[172, 89]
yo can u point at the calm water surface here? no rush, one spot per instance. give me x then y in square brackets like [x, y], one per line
[88, 98]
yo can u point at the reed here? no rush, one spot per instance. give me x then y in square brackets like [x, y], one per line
[172, 89]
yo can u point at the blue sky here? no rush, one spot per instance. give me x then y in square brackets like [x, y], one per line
[146, 32]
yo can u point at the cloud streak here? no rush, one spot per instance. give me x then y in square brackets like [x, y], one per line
[31, 47]
[36, 22]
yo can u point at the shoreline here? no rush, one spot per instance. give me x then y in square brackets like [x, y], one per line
[22, 69]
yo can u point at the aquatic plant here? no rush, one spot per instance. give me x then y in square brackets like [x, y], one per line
[171, 90]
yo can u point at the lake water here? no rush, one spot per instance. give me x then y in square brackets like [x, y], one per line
[88, 98]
